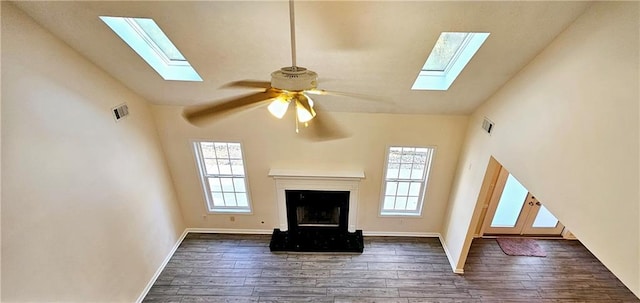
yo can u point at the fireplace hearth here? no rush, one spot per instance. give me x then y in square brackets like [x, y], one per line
[318, 222]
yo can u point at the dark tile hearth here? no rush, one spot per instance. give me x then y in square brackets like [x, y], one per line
[317, 240]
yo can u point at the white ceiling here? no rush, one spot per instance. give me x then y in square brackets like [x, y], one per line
[370, 47]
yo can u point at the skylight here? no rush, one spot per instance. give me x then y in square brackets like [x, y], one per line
[449, 56]
[146, 38]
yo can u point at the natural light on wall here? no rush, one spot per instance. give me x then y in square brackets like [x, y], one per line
[447, 59]
[146, 38]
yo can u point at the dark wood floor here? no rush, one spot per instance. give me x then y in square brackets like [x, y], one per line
[240, 268]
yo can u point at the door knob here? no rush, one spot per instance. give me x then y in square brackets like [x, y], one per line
[538, 203]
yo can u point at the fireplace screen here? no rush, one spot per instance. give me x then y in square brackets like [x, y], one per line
[318, 215]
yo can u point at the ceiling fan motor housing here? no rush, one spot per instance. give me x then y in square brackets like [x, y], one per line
[294, 79]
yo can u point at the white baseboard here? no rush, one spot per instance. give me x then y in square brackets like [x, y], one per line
[399, 234]
[229, 231]
[459, 271]
[161, 268]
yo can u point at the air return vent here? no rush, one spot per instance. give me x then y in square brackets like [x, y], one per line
[120, 111]
[487, 125]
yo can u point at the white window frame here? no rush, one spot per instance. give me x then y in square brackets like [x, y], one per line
[423, 186]
[204, 181]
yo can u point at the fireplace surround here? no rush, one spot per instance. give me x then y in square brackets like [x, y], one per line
[317, 211]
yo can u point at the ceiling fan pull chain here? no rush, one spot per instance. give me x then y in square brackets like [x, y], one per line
[296, 121]
[292, 23]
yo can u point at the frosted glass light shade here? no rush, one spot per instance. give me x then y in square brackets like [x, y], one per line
[303, 114]
[278, 107]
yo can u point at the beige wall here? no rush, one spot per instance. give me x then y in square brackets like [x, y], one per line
[88, 209]
[567, 127]
[271, 143]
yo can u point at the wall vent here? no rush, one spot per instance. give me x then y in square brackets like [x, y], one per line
[120, 111]
[487, 125]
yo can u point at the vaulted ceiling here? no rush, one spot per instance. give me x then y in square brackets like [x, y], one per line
[367, 47]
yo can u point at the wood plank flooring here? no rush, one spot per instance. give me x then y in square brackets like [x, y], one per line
[240, 268]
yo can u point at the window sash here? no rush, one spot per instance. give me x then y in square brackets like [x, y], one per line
[221, 198]
[403, 199]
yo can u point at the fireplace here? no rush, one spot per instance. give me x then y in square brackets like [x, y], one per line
[309, 209]
[317, 212]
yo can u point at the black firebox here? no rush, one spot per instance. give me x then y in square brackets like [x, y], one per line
[313, 209]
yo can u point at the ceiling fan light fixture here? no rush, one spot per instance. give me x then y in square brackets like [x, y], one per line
[278, 107]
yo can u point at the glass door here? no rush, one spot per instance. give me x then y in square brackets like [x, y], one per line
[513, 210]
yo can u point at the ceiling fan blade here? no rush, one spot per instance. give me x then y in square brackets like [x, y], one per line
[202, 114]
[323, 128]
[248, 84]
[323, 92]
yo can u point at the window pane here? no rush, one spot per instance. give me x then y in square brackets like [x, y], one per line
[218, 199]
[160, 39]
[211, 167]
[405, 171]
[412, 203]
[388, 202]
[238, 183]
[227, 184]
[237, 169]
[230, 199]
[417, 172]
[443, 52]
[510, 204]
[221, 150]
[407, 158]
[241, 199]
[545, 219]
[234, 151]
[401, 203]
[225, 166]
[392, 171]
[391, 188]
[414, 190]
[207, 150]
[422, 151]
[214, 185]
[403, 189]
[395, 155]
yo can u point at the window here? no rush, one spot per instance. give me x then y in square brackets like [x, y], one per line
[405, 180]
[146, 38]
[223, 176]
[447, 59]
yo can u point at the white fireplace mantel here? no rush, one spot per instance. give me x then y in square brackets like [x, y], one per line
[316, 180]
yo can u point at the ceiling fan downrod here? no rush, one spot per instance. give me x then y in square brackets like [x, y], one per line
[292, 26]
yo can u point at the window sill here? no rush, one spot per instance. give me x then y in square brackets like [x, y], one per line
[403, 215]
[230, 211]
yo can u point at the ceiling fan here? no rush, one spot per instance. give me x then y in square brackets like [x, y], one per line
[290, 87]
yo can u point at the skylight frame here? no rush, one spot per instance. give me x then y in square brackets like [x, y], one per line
[442, 80]
[141, 42]
[153, 45]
